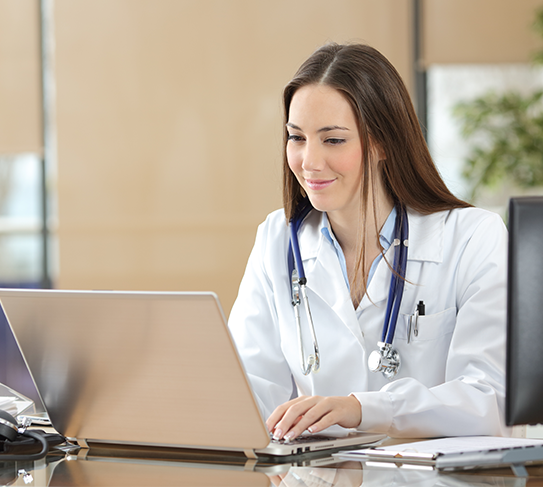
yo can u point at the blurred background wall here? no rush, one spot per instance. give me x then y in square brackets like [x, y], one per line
[169, 129]
[169, 120]
[160, 142]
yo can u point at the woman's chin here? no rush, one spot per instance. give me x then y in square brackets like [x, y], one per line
[321, 204]
[317, 205]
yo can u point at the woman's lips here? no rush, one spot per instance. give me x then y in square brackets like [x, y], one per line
[318, 184]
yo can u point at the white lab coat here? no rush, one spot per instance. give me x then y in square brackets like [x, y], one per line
[452, 376]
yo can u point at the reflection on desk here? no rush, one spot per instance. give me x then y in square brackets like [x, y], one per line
[149, 467]
[354, 473]
[123, 472]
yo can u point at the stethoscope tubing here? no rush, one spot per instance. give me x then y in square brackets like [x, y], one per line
[299, 293]
[296, 268]
[294, 247]
[296, 250]
[398, 278]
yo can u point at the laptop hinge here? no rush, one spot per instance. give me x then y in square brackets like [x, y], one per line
[82, 443]
[82, 454]
[250, 465]
[250, 453]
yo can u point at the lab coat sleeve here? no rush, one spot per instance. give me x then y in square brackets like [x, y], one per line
[472, 398]
[253, 323]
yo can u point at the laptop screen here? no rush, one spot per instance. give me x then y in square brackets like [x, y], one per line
[134, 367]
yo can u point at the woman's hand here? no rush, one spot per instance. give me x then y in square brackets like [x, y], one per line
[314, 413]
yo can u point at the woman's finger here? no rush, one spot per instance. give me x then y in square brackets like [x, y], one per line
[293, 416]
[325, 412]
[316, 414]
[344, 411]
[279, 412]
[319, 410]
[323, 422]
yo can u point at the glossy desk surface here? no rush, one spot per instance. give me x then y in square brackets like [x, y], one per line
[101, 466]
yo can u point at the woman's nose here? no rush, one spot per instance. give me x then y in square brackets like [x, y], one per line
[313, 158]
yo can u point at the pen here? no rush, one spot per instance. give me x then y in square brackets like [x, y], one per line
[420, 310]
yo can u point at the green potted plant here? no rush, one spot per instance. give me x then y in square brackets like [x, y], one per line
[506, 131]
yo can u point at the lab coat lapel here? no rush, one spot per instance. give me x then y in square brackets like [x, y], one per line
[426, 236]
[324, 274]
[325, 278]
[425, 244]
[380, 283]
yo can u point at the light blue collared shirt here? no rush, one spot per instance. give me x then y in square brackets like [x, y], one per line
[386, 237]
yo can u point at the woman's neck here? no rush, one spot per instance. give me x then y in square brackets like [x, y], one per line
[347, 225]
[347, 229]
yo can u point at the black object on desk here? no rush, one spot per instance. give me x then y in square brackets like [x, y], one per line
[524, 371]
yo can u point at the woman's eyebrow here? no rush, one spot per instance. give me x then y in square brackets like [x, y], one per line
[332, 127]
[293, 126]
[322, 129]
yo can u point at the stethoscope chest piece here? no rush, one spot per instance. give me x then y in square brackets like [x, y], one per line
[385, 360]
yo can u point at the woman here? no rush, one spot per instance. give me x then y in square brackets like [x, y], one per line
[354, 150]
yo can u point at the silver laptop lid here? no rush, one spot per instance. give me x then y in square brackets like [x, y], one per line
[136, 367]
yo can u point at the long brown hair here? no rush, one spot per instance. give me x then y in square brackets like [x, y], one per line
[386, 118]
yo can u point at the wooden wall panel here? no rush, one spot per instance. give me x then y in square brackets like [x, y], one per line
[20, 81]
[480, 31]
[169, 129]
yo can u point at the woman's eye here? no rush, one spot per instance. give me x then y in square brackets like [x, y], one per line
[294, 138]
[334, 141]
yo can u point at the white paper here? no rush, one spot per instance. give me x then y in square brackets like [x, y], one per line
[13, 405]
[456, 445]
[6, 401]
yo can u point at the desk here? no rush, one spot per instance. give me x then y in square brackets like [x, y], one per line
[162, 467]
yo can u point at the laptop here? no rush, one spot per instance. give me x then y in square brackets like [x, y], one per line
[146, 368]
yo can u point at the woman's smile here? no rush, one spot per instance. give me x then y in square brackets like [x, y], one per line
[316, 185]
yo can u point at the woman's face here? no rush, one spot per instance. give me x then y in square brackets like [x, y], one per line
[324, 150]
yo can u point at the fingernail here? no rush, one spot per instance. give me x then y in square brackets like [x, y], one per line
[310, 429]
[290, 435]
[277, 434]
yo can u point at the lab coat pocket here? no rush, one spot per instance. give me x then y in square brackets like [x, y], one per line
[425, 355]
[430, 327]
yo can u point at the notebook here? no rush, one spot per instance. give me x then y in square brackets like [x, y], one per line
[145, 368]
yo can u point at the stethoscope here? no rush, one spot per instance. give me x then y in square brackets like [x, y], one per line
[386, 359]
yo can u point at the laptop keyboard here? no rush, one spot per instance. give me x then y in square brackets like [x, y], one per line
[302, 439]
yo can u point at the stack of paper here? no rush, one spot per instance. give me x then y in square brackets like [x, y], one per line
[13, 402]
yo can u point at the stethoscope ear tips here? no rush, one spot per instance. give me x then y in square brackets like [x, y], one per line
[8, 426]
